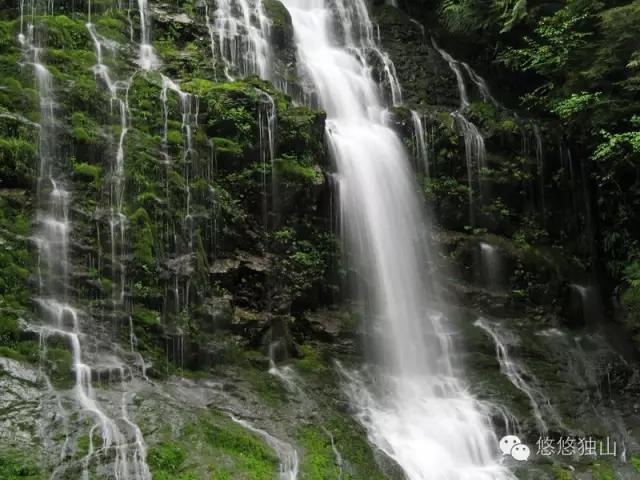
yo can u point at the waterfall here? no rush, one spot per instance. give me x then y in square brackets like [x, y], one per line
[491, 266]
[587, 359]
[480, 84]
[181, 264]
[540, 164]
[420, 414]
[146, 56]
[118, 96]
[475, 150]
[420, 141]
[243, 32]
[212, 36]
[267, 142]
[58, 318]
[363, 37]
[517, 373]
[423, 32]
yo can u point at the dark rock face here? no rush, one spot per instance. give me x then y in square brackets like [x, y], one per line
[425, 77]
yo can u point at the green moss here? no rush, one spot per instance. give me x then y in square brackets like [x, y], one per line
[167, 462]
[146, 317]
[174, 137]
[630, 299]
[358, 458]
[112, 24]
[84, 129]
[301, 130]
[73, 66]
[8, 324]
[83, 444]
[446, 121]
[508, 127]
[229, 153]
[18, 467]
[603, 471]
[281, 25]
[312, 360]
[9, 352]
[84, 172]
[248, 451]
[213, 447]
[17, 157]
[59, 367]
[142, 236]
[15, 258]
[277, 13]
[484, 113]
[198, 86]
[269, 389]
[8, 30]
[64, 33]
[560, 473]
[635, 462]
[225, 145]
[319, 460]
[25, 351]
[291, 169]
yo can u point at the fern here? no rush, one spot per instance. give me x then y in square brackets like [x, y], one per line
[512, 14]
[467, 15]
[459, 15]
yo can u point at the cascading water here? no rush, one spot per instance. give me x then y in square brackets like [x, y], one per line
[587, 359]
[181, 264]
[288, 456]
[541, 171]
[118, 97]
[420, 141]
[480, 84]
[59, 319]
[475, 150]
[243, 32]
[421, 415]
[491, 266]
[516, 373]
[364, 38]
[267, 143]
[147, 58]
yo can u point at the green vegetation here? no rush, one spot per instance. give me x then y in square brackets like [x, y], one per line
[17, 157]
[560, 473]
[84, 172]
[213, 447]
[312, 360]
[17, 467]
[603, 471]
[319, 460]
[167, 462]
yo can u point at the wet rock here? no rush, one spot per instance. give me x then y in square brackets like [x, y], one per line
[215, 313]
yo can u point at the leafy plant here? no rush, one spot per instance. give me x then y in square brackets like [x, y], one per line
[576, 103]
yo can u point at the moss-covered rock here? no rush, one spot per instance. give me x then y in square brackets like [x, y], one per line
[16, 466]
[17, 159]
[213, 447]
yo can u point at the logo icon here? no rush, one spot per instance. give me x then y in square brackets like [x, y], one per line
[512, 446]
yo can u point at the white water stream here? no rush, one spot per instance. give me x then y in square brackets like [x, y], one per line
[239, 35]
[420, 414]
[475, 150]
[287, 455]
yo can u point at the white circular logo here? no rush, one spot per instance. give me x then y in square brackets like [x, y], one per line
[512, 446]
